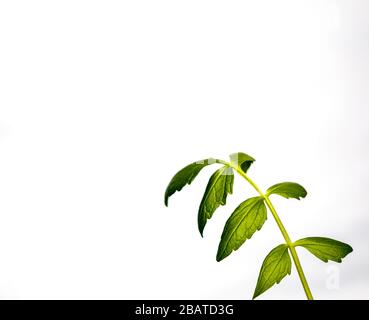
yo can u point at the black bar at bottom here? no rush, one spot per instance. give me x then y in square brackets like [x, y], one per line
[174, 309]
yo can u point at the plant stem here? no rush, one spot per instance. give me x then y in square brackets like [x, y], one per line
[291, 247]
[281, 227]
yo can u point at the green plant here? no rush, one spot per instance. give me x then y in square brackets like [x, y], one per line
[250, 216]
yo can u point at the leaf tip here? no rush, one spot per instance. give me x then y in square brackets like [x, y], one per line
[201, 230]
[166, 197]
[220, 256]
[256, 294]
[303, 195]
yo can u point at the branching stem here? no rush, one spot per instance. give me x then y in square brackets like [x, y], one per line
[281, 227]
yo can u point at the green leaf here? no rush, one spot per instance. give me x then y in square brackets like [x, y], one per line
[242, 160]
[288, 190]
[219, 186]
[248, 217]
[276, 266]
[325, 249]
[185, 176]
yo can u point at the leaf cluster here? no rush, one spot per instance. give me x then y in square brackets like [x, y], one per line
[250, 216]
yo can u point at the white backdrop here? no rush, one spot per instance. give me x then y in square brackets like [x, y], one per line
[101, 102]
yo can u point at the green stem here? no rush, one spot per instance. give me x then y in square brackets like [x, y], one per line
[291, 247]
[281, 227]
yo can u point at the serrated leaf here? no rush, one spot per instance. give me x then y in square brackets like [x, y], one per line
[242, 160]
[219, 186]
[276, 266]
[248, 217]
[185, 176]
[325, 249]
[288, 190]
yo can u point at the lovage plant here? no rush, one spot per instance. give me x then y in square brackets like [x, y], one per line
[250, 216]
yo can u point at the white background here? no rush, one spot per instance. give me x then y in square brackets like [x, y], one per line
[101, 102]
